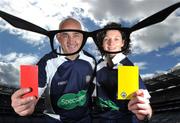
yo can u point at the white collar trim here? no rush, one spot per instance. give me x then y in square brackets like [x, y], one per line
[117, 58]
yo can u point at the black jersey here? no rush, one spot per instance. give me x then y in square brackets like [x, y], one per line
[67, 83]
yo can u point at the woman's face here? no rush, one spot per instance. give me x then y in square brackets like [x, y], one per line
[113, 41]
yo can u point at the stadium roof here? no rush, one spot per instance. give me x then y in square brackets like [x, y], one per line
[163, 81]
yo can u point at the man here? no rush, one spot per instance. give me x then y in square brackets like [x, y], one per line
[66, 79]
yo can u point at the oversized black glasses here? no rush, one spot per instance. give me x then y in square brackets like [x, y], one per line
[69, 41]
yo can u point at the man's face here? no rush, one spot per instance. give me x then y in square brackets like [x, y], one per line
[113, 41]
[70, 41]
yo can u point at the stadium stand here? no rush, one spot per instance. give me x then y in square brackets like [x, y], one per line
[165, 90]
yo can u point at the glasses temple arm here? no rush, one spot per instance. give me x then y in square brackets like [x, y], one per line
[156, 18]
[22, 24]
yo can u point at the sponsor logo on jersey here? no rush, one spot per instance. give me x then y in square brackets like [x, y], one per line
[107, 104]
[71, 100]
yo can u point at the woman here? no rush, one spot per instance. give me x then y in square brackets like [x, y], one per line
[108, 108]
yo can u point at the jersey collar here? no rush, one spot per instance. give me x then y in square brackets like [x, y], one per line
[116, 59]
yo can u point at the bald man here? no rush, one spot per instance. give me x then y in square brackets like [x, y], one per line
[66, 80]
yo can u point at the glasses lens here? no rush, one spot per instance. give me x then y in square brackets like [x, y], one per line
[68, 42]
[111, 40]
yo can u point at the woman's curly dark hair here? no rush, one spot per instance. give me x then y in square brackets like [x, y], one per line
[125, 37]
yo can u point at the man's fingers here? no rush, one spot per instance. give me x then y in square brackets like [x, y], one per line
[25, 106]
[26, 110]
[21, 101]
[22, 108]
[27, 100]
[24, 113]
[16, 104]
[16, 98]
[20, 93]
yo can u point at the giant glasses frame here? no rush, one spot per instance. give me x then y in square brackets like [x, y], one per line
[86, 35]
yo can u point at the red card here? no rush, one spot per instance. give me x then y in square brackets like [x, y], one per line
[29, 79]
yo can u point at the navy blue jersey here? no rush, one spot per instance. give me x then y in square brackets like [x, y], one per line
[66, 83]
[109, 108]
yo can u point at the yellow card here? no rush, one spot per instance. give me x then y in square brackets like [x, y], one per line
[128, 81]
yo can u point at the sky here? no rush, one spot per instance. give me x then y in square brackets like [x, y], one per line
[155, 49]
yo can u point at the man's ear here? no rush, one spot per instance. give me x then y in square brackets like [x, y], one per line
[57, 35]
